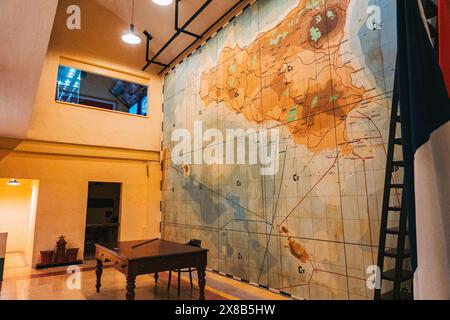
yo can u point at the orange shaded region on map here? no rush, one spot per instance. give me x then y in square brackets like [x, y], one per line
[296, 248]
[293, 75]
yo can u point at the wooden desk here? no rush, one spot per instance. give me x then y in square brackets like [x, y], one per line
[153, 257]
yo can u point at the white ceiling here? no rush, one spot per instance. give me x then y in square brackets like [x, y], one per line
[160, 21]
[25, 28]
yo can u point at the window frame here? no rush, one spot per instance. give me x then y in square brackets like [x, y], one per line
[105, 72]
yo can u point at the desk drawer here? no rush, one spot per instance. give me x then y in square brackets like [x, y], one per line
[159, 264]
[117, 263]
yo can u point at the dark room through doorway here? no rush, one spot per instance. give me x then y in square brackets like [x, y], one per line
[102, 216]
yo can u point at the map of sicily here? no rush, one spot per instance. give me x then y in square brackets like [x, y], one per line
[315, 70]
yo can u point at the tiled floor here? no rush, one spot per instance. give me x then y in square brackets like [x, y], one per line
[15, 260]
[56, 284]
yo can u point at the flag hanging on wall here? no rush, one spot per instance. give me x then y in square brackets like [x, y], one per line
[444, 39]
[425, 120]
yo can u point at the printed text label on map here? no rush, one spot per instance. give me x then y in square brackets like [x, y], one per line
[237, 147]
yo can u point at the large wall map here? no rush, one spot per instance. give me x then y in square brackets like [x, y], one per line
[314, 70]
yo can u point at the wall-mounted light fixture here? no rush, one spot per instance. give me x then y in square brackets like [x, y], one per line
[163, 2]
[131, 37]
[13, 182]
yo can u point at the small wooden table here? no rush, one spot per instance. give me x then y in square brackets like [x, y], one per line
[133, 258]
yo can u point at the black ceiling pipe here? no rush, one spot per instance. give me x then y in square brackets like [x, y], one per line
[178, 31]
[203, 34]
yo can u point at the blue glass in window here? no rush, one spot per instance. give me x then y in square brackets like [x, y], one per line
[69, 84]
[80, 87]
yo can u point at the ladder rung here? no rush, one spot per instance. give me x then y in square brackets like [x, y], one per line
[389, 295]
[392, 253]
[398, 141]
[394, 209]
[396, 186]
[398, 163]
[391, 276]
[395, 231]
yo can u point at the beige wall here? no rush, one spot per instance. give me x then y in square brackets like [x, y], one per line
[63, 188]
[67, 146]
[32, 222]
[15, 212]
[97, 48]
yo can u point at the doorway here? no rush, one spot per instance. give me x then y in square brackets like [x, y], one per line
[18, 202]
[102, 216]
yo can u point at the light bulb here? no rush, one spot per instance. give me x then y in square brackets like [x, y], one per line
[163, 2]
[131, 36]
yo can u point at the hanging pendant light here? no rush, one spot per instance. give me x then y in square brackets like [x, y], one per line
[131, 37]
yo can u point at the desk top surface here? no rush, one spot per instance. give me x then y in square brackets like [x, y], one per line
[157, 248]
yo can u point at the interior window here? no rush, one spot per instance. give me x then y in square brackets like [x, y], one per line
[84, 88]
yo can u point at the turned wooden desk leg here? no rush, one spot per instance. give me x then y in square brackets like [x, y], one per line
[131, 285]
[156, 277]
[98, 272]
[201, 281]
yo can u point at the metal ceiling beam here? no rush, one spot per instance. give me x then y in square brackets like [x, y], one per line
[178, 31]
[204, 33]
